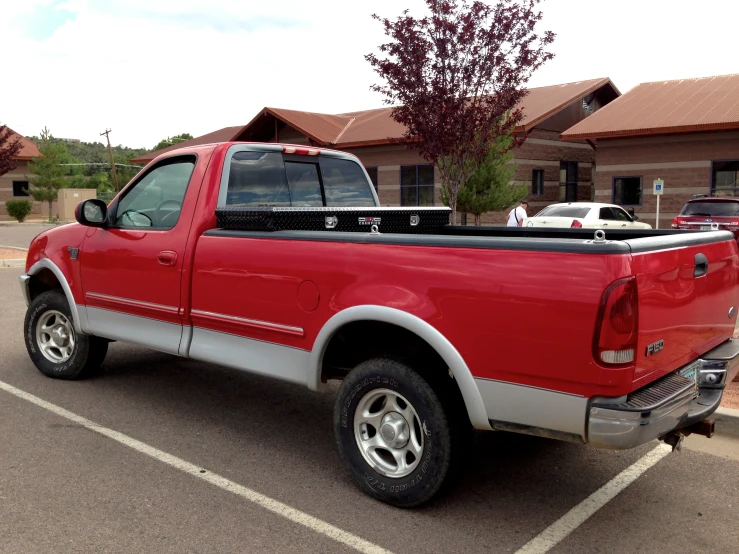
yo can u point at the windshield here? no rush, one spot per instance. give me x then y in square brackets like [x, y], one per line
[714, 208]
[563, 211]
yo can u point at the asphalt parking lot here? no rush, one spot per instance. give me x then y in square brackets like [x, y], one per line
[70, 486]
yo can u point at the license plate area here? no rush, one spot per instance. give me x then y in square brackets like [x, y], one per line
[690, 371]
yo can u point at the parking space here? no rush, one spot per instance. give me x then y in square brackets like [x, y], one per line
[65, 488]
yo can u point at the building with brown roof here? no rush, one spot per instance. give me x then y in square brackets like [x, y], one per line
[14, 185]
[685, 132]
[551, 168]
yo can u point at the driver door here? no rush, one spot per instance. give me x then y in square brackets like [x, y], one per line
[623, 218]
[131, 270]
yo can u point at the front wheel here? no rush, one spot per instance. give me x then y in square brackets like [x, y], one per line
[393, 432]
[52, 343]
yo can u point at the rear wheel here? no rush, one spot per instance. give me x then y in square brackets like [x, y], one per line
[55, 348]
[394, 433]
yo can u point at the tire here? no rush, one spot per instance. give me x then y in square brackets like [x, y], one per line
[395, 472]
[55, 348]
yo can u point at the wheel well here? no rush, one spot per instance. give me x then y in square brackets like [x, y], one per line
[43, 281]
[363, 340]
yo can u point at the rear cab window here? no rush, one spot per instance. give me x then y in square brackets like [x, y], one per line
[716, 208]
[272, 179]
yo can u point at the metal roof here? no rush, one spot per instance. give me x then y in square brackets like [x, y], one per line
[373, 127]
[377, 127]
[666, 107]
[28, 149]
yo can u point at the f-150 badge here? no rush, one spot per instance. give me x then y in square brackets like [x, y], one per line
[655, 348]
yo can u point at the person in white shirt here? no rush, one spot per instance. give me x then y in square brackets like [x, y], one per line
[518, 214]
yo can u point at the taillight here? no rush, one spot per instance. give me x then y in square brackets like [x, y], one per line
[617, 326]
[300, 151]
[576, 224]
[674, 223]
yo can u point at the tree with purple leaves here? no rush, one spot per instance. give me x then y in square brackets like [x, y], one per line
[10, 147]
[456, 79]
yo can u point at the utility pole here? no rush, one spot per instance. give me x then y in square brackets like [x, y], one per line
[112, 163]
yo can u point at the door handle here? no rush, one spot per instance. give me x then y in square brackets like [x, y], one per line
[701, 265]
[605, 225]
[623, 225]
[167, 258]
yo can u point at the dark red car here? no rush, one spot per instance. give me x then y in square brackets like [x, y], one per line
[706, 213]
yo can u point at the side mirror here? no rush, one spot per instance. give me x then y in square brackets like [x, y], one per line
[92, 213]
[634, 217]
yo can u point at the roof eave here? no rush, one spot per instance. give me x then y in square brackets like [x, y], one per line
[529, 125]
[286, 121]
[651, 132]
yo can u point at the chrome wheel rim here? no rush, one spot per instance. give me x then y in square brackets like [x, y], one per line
[388, 433]
[55, 336]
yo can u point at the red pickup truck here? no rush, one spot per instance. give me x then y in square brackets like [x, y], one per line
[611, 341]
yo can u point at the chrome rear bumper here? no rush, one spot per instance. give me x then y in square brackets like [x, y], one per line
[673, 402]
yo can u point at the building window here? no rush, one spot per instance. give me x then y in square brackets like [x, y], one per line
[20, 188]
[537, 182]
[372, 172]
[567, 181]
[627, 191]
[725, 178]
[417, 185]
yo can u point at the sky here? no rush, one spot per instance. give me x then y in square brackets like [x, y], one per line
[149, 69]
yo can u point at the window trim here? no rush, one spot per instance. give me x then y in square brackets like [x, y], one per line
[28, 188]
[113, 208]
[377, 170]
[540, 191]
[712, 189]
[613, 190]
[416, 186]
[566, 183]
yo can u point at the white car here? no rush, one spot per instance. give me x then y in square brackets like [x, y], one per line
[588, 215]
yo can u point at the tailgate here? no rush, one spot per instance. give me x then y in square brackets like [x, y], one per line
[688, 298]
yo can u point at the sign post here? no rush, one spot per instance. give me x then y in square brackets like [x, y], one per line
[659, 187]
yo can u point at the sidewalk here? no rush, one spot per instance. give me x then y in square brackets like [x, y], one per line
[12, 256]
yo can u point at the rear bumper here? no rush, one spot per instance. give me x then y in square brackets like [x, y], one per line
[678, 400]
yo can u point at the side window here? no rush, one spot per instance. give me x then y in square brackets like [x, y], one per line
[344, 183]
[257, 179]
[156, 200]
[305, 187]
[606, 213]
[621, 215]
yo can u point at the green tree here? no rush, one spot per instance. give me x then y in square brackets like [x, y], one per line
[47, 175]
[170, 141]
[489, 188]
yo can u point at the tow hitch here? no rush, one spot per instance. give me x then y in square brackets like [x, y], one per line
[675, 439]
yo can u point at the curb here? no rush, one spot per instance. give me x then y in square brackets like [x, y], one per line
[18, 262]
[15, 262]
[727, 422]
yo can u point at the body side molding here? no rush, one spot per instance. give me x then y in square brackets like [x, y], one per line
[467, 386]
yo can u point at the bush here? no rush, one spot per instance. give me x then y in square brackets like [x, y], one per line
[18, 209]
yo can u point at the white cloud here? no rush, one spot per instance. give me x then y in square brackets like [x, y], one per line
[152, 68]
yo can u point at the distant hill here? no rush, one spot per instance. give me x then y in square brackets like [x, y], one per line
[97, 152]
